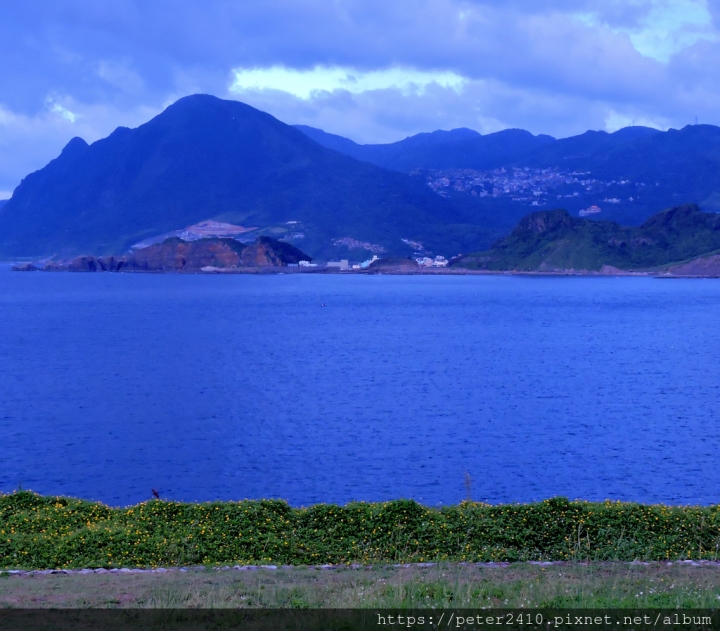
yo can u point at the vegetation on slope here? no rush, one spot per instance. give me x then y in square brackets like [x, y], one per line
[53, 532]
[553, 240]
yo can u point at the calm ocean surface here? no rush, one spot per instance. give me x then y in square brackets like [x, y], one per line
[232, 387]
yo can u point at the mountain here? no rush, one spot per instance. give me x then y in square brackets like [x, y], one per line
[455, 149]
[553, 240]
[628, 174]
[204, 158]
[3, 202]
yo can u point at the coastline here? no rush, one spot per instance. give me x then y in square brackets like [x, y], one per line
[400, 270]
[404, 271]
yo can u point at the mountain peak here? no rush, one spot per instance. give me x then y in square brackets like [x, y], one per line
[543, 221]
[675, 217]
[205, 158]
[75, 147]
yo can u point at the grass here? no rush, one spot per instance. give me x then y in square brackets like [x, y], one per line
[573, 585]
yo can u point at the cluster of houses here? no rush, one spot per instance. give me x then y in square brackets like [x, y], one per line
[426, 261]
[345, 265]
[523, 184]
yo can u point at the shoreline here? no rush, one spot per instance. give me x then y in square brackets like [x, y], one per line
[387, 271]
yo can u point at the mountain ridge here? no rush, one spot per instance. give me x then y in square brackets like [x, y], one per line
[457, 148]
[635, 171]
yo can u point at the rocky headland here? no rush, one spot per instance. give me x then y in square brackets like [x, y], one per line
[678, 241]
[176, 255]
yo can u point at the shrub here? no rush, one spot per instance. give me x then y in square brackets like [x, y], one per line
[58, 532]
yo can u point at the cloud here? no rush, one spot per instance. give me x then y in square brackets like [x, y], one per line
[62, 111]
[369, 69]
[665, 28]
[304, 83]
[615, 120]
[28, 142]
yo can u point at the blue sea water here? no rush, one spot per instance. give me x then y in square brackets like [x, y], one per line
[232, 387]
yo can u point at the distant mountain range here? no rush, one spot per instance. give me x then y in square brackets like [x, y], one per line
[456, 149]
[628, 175]
[555, 241]
[206, 160]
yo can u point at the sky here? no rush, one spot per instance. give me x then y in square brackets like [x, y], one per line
[370, 70]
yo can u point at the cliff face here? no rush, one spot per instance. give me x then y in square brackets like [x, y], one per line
[269, 252]
[175, 255]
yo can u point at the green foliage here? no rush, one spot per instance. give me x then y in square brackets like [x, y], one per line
[553, 240]
[56, 532]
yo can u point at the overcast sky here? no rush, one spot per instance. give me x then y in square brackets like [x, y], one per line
[371, 70]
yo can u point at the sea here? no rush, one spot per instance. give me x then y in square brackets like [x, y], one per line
[339, 388]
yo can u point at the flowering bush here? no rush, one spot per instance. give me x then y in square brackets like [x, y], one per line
[58, 532]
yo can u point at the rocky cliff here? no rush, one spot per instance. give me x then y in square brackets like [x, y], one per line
[176, 255]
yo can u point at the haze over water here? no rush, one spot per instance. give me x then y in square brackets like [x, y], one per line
[232, 387]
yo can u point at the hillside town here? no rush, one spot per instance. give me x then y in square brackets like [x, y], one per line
[535, 187]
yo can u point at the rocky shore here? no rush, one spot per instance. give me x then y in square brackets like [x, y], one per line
[176, 255]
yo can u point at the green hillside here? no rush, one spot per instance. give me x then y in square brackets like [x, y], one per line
[553, 240]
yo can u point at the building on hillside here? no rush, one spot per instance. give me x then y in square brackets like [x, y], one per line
[342, 264]
[368, 263]
[426, 261]
[593, 210]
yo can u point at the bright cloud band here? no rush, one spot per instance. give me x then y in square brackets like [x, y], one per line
[304, 83]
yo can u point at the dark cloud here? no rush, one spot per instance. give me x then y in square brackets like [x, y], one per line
[557, 66]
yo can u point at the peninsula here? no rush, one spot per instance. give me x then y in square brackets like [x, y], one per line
[679, 241]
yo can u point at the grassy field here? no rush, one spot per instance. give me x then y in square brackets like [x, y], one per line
[445, 585]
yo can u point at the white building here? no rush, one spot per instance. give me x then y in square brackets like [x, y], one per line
[368, 263]
[426, 261]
